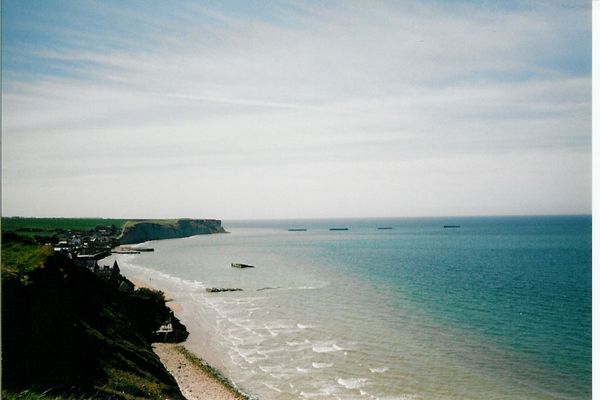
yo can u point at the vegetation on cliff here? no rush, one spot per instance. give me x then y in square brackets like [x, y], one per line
[46, 229]
[66, 332]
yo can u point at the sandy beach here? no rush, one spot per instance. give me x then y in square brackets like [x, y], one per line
[194, 382]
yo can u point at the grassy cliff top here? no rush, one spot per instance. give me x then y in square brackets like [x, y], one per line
[28, 226]
[48, 224]
[41, 228]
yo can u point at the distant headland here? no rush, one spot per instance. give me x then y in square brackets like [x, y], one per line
[138, 231]
[108, 233]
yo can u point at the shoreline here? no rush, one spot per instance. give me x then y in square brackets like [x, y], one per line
[196, 379]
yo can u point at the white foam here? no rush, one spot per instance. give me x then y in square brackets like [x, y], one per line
[326, 347]
[323, 349]
[277, 328]
[250, 355]
[283, 375]
[298, 343]
[270, 369]
[380, 370]
[146, 275]
[240, 322]
[312, 395]
[322, 365]
[302, 370]
[352, 383]
[301, 326]
[272, 350]
[272, 387]
[274, 334]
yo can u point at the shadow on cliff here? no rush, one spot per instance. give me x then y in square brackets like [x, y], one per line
[67, 331]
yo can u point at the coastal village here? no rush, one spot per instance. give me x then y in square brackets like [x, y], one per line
[109, 335]
[87, 249]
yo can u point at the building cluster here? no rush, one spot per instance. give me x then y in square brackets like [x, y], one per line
[101, 239]
[87, 249]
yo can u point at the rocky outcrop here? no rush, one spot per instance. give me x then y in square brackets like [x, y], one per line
[144, 230]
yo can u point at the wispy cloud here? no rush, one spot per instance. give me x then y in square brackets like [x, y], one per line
[214, 96]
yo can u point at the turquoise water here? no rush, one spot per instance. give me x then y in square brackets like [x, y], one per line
[498, 308]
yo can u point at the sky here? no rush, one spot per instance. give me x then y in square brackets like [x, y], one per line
[303, 109]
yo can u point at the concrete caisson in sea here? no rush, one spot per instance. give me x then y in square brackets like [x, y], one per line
[240, 265]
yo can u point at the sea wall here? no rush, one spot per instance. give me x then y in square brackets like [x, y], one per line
[142, 231]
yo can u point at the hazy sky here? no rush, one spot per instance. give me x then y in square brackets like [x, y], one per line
[270, 109]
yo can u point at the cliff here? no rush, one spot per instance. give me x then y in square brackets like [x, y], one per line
[66, 332]
[138, 231]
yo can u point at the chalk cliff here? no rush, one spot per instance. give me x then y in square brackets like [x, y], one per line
[143, 230]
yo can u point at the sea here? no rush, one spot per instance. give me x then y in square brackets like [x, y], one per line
[493, 308]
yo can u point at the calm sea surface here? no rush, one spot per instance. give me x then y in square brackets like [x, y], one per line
[499, 308]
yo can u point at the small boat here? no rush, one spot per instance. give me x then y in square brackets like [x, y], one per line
[239, 265]
[451, 226]
[385, 227]
[297, 230]
[338, 229]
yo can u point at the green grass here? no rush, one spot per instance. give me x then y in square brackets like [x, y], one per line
[19, 257]
[53, 224]
[32, 395]
[132, 386]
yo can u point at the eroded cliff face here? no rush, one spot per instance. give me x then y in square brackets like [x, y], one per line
[142, 231]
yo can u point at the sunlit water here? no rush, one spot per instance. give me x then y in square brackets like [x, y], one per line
[499, 308]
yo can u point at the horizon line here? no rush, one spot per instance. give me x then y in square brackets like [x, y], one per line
[313, 218]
